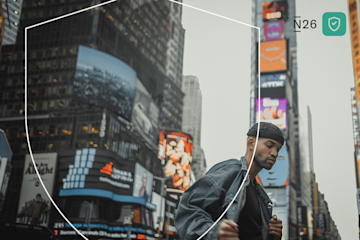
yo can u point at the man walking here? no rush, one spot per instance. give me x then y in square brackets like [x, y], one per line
[249, 217]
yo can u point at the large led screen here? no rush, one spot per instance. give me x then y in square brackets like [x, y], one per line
[273, 56]
[274, 30]
[175, 152]
[278, 175]
[104, 81]
[274, 10]
[273, 111]
[145, 115]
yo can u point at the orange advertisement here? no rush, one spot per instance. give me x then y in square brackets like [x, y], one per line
[354, 33]
[273, 56]
[175, 152]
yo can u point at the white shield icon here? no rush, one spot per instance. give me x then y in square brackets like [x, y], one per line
[334, 24]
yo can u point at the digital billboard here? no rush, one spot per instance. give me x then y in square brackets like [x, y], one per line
[175, 152]
[100, 173]
[273, 56]
[274, 10]
[34, 204]
[145, 114]
[104, 81]
[278, 175]
[143, 183]
[274, 30]
[273, 111]
[272, 80]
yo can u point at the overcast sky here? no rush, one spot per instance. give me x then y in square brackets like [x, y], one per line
[217, 51]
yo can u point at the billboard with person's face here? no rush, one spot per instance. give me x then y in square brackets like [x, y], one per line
[278, 175]
[175, 152]
[272, 111]
[273, 56]
[34, 204]
[143, 183]
[104, 81]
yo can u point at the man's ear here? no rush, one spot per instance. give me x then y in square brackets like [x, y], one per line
[251, 143]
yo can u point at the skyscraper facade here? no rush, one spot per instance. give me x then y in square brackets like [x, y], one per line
[96, 83]
[12, 13]
[192, 121]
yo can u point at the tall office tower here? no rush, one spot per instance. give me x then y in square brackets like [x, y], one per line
[95, 81]
[12, 12]
[192, 121]
[278, 97]
[173, 96]
[175, 45]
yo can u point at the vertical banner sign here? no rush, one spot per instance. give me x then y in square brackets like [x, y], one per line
[355, 44]
[355, 118]
[34, 204]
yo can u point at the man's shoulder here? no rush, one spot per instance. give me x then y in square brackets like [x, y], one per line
[228, 165]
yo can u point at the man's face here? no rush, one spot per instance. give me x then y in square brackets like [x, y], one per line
[266, 153]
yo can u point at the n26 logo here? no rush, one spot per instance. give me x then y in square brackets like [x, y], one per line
[304, 24]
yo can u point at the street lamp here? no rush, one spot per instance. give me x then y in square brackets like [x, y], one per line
[163, 194]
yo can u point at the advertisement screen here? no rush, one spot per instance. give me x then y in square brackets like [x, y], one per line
[274, 10]
[272, 111]
[273, 56]
[143, 183]
[104, 81]
[145, 115]
[272, 80]
[278, 175]
[175, 152]
[34, 204]
[274, 30]
[90, 170]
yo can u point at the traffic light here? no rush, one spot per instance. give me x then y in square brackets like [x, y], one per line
[303, 230]
[157, 234]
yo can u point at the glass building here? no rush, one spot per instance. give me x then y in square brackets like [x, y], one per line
[82, 77]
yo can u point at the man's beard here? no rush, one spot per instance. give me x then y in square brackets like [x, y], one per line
[264, 163]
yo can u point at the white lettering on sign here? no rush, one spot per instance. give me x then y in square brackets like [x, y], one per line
[103, 125]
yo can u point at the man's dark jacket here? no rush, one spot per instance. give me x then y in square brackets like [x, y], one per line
[202, 204]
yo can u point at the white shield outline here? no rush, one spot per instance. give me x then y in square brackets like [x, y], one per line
[329, 24]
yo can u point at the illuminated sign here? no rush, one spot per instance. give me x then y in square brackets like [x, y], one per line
[273, 56]
[273, 111]
[274, 30]
[175, 152]
[274, 10]
[272, 80]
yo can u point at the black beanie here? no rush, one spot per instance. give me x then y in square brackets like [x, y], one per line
[267, 130]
